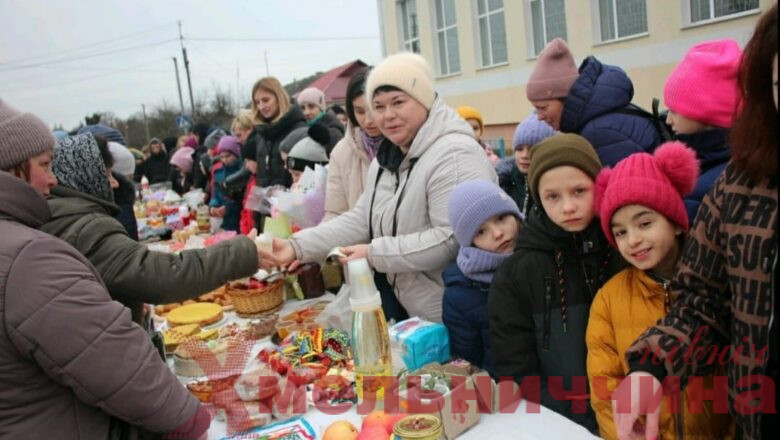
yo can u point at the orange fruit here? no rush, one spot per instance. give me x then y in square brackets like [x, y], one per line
[340, 430]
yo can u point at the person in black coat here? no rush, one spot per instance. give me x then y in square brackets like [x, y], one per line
[200, 176]
[156, 167]
[540, 297]
[124, 197]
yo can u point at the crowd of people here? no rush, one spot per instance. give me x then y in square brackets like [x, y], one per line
[598, 241]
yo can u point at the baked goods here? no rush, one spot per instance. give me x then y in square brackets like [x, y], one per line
[186, 363]
[262, 327]
[216, 296]
[175, 336]
[208, 335]
[198, 313]
[204, 389]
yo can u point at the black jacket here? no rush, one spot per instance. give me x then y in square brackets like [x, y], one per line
[335, 128]
[535, 329]
[515, 183]
[156, 168]
[270, 167]
[124, 197]
[200, 177]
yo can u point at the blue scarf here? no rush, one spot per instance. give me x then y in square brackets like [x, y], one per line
[479, 265]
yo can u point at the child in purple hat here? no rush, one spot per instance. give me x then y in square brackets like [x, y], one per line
[229, 152]
[485, 221]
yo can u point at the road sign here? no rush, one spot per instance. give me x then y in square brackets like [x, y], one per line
[183, 122]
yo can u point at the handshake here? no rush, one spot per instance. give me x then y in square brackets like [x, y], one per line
[279, 253]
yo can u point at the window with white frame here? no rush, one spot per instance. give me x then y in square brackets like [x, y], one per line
[547, 22]
[447, 37]
[703, 10]
[492, 32]
[621, 18]
[410, 31]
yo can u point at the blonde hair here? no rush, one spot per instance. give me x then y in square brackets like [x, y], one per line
[243, 120]
[273, 86]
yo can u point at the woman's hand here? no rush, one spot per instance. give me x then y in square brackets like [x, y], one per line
[218, 211]
[639, 393]
[354, 253]
[284, 254]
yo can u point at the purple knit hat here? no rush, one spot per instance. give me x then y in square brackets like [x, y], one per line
[553, 74]
[531, 131]
[474, 202]
[229, 144]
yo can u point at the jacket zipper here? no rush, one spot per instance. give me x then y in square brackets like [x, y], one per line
[679, 419]
[772, 294]
[547, 313]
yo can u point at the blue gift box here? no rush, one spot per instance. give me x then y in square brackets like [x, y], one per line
[416, 342]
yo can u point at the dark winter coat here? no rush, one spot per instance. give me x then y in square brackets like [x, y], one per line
[133, 274]
[335, 128]
[124, 197]
[270, 167]
[71, 358]
[725, 293]
[592, 110]
[156, 168]
[713, 154]
[538, 332]
[465, 313]
[200, 176]
[515, 183]
[218, 198]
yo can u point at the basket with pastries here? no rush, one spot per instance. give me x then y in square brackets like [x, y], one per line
[251, 297]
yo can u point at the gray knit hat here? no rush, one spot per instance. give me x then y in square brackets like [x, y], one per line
[22, 136]
[289, 142]
[213, 138]
[306, 153]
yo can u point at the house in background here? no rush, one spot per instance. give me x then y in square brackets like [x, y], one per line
[333, 82]
[483, 51]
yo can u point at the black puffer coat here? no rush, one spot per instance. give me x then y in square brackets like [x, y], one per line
[270, 167]
[539, 303]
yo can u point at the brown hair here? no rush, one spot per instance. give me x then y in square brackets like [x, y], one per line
[754, 134]
[21, 170]
[273, 86]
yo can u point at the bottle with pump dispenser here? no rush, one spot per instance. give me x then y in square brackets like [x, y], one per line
[370, 338]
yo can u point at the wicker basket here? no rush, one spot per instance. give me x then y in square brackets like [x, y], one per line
[254, 301]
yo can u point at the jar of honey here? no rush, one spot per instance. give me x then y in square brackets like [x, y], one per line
[418, 427]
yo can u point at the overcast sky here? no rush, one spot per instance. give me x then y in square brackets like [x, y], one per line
[62, 60]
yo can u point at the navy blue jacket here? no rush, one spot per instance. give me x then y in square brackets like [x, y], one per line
[713, 154]
[592, 111]
[465, 314]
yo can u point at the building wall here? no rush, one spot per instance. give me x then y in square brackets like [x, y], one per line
[498, 92]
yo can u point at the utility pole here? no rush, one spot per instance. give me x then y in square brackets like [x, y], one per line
[178, 84]
[265, 55]
[187, 69]
[238, 91]
[146, 123]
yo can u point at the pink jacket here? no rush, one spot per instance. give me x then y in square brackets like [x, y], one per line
[70, 358]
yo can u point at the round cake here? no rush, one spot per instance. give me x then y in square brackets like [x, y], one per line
[187, 364]
[198, 313]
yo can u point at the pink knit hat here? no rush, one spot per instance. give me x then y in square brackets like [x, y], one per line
[703, 87]
[314, 96]
[553, 74]
[182, 158]
[658, 181]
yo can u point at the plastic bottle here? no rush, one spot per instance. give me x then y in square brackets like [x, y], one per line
[370, 339]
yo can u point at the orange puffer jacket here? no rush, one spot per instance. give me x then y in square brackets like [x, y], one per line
[623, 309]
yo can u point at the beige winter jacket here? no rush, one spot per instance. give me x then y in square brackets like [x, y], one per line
[347, 171]
[411, 191]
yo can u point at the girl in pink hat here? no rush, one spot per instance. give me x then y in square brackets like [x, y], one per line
[640, 204]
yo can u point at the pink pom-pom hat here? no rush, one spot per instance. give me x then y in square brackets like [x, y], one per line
[658, 181]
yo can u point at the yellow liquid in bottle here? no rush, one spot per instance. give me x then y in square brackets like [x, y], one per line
[371, 349]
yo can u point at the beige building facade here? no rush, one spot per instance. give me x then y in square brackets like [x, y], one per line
[483, 51]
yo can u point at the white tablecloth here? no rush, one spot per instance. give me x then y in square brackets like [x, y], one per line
[520, 425]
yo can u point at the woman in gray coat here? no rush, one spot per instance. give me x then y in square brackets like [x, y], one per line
[73, 363]
[400, 222]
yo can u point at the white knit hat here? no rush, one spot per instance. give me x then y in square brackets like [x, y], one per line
[124, 162]
[407, 71]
